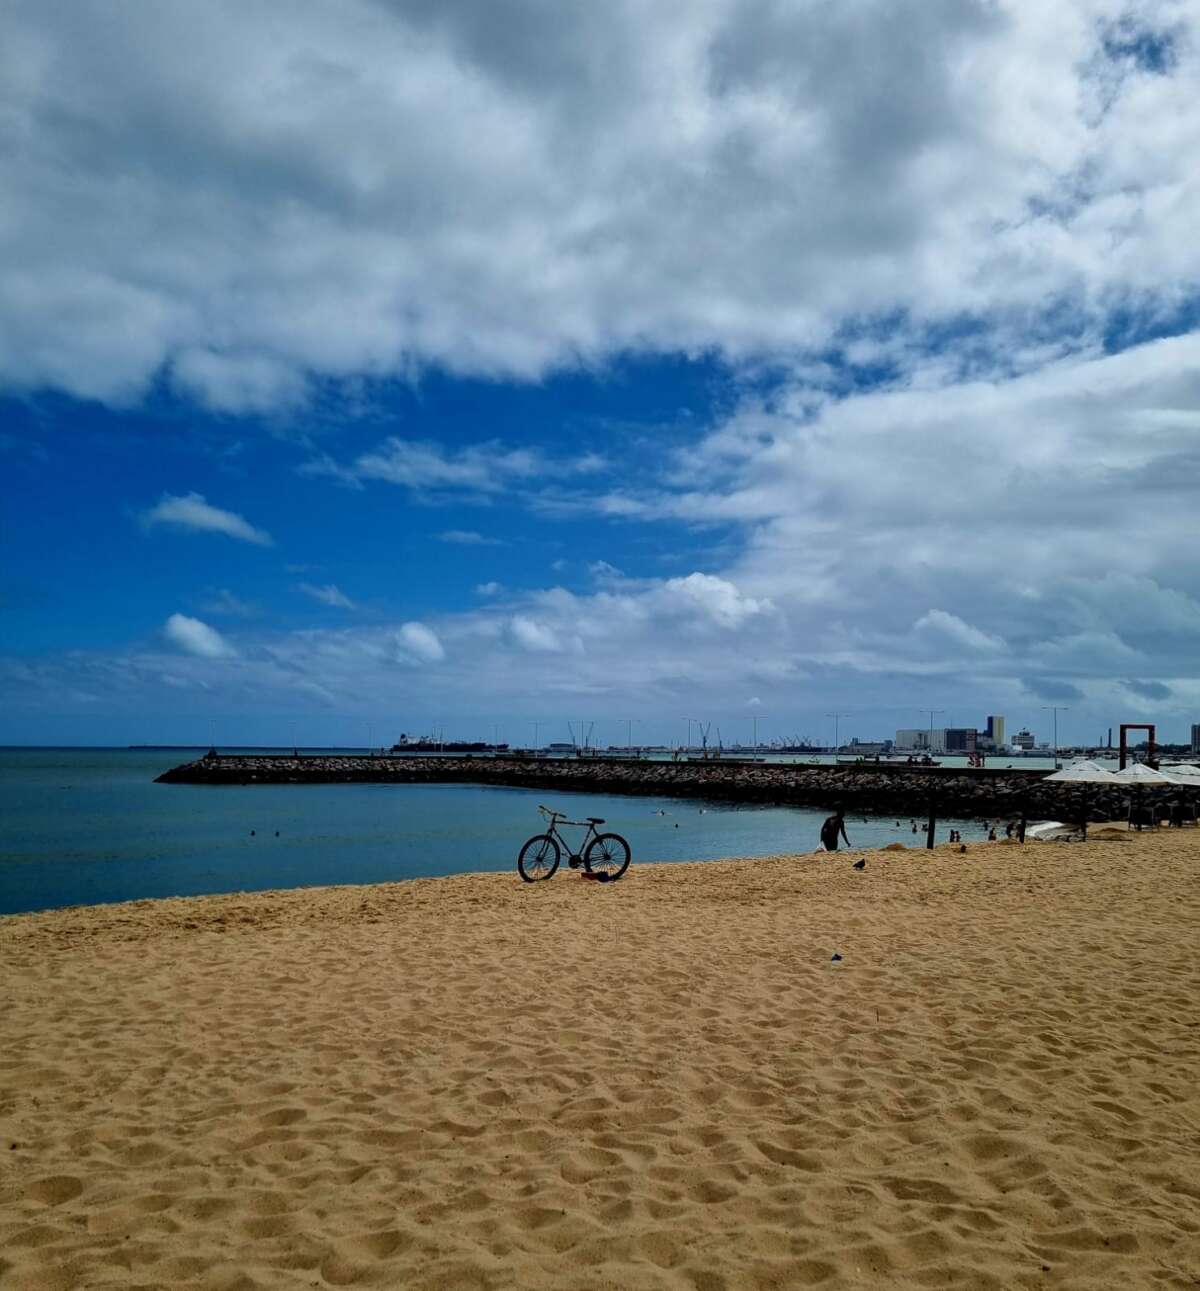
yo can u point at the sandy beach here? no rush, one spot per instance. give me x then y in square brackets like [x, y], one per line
[668, 1082]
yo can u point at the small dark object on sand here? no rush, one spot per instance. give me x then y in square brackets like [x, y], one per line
[963, 848]
[860, 864]
[252, 833]
[836, 958]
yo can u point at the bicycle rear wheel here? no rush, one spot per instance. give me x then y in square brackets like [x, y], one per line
[607, 854]
[538, 859]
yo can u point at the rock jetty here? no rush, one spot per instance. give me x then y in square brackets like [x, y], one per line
[862, 788]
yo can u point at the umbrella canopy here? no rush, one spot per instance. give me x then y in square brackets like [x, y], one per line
[1185, 772]
[1083, 773]
[1137, 773]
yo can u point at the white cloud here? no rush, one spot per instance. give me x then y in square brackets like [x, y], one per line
[371, 187]
[712, 598]
[223, 601]
[238, 383]
[196, 638]
[328, 594]
[953, 631]
[533, 634]
[419, 643]
[468, 538]
[483, 469]
[491, 588]
[191, 511]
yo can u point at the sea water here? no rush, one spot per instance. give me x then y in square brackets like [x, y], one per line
[81, 826]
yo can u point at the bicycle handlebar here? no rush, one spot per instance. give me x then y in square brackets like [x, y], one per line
[555, 816]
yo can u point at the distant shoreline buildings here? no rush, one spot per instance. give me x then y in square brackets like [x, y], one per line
[962, 739]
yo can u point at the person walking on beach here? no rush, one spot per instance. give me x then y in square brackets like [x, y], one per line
[830, 830]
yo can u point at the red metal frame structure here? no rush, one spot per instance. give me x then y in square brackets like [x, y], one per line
[1136, 726]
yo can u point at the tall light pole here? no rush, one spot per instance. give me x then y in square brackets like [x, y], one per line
[837, 744]
[932, 713]
[1055, 709]
[535, 736]
[754, 720]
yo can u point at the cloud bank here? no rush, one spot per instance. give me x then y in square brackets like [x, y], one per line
[740, 176]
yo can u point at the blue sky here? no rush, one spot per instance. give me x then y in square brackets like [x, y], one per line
[393, 551]
[751, 362]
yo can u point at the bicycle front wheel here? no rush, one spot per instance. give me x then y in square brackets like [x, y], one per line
[607, 854]
[538, 859]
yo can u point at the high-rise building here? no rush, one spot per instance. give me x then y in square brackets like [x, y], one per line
[995, 730]
[1023, 740]
[1195, 737]
[959, 739]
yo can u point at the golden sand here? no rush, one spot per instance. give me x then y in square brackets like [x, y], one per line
[667, 1082]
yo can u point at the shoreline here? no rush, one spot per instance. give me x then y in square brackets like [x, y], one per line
[964, 1070]
[1055, 832]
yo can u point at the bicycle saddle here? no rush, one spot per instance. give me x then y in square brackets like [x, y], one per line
[595, 820]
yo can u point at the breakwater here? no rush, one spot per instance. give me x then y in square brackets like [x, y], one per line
[858, 787]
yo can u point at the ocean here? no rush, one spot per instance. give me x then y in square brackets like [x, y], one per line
[81, 826]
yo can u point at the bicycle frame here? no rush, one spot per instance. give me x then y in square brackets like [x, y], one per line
[556, 818]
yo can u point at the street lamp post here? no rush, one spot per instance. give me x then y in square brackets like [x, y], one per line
[1055, 709]
[931, 712]
[837, 743]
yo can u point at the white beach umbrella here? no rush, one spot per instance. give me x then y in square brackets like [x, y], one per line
[1138, 773]
[1188, 777]
[1083, 773]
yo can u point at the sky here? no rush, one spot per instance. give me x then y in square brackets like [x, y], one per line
[381, 366]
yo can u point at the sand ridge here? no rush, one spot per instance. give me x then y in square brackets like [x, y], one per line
[667, 1082]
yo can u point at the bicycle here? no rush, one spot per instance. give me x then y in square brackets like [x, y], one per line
[604, 855]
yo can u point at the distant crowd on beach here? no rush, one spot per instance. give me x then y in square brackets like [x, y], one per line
[834, 828]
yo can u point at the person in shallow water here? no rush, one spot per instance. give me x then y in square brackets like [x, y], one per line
[830, 830]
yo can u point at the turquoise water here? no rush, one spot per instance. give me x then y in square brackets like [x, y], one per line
[80, 826]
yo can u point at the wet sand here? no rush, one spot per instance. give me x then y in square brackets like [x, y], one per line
[668, 1082]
